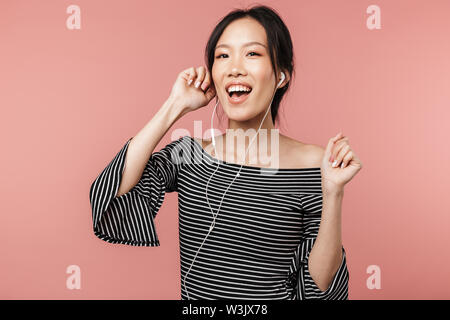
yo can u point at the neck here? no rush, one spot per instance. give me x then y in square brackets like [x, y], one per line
[240, 133]
[250, 127]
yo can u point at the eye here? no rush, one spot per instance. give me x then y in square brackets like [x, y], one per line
[218, 57]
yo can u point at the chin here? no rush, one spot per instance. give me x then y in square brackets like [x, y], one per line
[238, 113]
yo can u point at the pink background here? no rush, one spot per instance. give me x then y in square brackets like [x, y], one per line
[71, 98]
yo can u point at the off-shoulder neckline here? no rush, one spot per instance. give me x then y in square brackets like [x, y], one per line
[232, 164]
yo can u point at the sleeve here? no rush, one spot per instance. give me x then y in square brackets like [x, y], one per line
[128, 219]
[306, 287]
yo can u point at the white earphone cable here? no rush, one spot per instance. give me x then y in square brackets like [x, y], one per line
[237, 175]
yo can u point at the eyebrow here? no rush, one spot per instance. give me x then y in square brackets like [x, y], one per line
[245, 45]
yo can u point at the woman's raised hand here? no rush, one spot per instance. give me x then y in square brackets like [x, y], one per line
[339, 164]
[188, 94]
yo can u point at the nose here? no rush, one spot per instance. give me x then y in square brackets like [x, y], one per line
[235, 71]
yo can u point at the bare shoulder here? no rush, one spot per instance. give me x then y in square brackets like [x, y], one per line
[294, 153]
[301, 154]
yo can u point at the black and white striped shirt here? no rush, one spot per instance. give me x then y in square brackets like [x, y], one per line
[264, 231]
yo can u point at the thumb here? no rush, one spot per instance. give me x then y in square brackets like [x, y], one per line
[330, 145]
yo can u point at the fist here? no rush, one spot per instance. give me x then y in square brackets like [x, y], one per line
[193, 89]
[339, 164]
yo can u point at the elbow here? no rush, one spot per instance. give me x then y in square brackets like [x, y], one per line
[322, 284]
[324, 277]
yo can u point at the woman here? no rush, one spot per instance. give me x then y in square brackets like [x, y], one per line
[246, 231]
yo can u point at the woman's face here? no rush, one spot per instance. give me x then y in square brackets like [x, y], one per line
[236, 61]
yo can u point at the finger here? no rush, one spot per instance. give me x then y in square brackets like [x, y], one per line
[337, 147]
[356, 159]
[342, 152]
[206, 81]
[346, 159]
[192, 74]
[200, 76]
[330, 144]
[185, 73]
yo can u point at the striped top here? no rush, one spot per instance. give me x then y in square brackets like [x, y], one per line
[262, 237]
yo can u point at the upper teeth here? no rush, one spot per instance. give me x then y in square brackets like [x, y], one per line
[238, 88]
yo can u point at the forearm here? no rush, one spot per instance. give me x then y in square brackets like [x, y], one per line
[144, 142]
[326, 254]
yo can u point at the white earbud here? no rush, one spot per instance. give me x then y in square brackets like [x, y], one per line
[282, 79]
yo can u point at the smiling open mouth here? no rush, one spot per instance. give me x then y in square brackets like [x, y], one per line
[237, 94]
[238, 97]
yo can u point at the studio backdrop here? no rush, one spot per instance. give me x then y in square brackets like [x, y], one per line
[79, 78]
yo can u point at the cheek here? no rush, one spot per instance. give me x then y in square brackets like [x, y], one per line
[215, 71]
[263, 78]
[215, 78]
